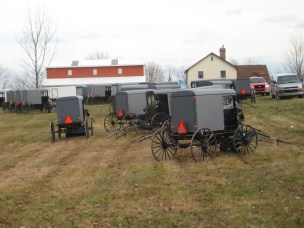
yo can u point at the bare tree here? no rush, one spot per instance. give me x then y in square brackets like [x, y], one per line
[5, 78]
[234, 62]
[39, 44]
[181, 75]
[21, 82]
[250, 61]
[176, 73]
[154, 72]
[98, 55]
[294, 57]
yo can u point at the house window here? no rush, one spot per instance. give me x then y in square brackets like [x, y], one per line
[119, 70]
[94, 71]
[201, 74]
[223, 74]
[70, 72]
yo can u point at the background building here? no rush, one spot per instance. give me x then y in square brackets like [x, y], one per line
[212, 67]
[216, 67]
[104, 71]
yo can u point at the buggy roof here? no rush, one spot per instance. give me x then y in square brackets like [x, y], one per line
[201, 92]
[165, 91]
[70, 98]
[141, 91]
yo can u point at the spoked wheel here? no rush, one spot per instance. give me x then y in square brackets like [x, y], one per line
[128, 122]
[245, 139]
[52, 131]
[163, 146]
[142, 125]
[86, 129]
[203, 145]
[91, 127]
[110, 123]
[112, 108]
[158, 120]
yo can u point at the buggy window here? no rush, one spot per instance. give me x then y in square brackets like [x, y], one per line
[228, 102]
[44, 93]
[150, 99]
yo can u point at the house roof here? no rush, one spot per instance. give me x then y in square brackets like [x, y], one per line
[186, 71]
[246, 71]
[94, 63]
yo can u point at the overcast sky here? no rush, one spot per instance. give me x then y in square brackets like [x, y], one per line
[169, 32]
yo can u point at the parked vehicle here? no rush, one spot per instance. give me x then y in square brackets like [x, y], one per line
[286, 85]
[259, 85]
[72, 118]
[202, 119]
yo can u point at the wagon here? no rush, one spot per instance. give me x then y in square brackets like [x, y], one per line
[36, 99]
[86, 92]
[129, 105]
[241, 86]
[158, 108]
[203, 120]
[72, 118]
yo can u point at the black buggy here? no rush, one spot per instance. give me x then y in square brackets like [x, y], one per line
[129, 106]
[139, 110]
[203, 120]
[72, 118]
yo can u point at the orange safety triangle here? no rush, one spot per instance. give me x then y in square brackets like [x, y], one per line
[182, 130]
[243, 91]
[68, 120]
[120, 113]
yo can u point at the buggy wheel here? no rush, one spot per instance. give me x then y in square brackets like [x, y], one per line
[86, 129]
[112, 108]
[110, 123]
[91, 127]
[203, 145]
[52, 131]
[158, 120]
[163, 146]
[128, 122]
[245, 139]
[141, 124]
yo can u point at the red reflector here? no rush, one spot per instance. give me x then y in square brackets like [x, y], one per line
[243, 91]
[181, 130]
[68, 120]
[120, 113]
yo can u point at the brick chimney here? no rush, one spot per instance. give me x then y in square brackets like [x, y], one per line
[223, 52]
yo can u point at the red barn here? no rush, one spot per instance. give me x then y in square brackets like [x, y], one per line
[104, 71]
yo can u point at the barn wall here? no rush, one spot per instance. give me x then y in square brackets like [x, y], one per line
[84, 72]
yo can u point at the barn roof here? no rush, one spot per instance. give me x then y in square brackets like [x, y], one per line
[94, 63]
[246, 71]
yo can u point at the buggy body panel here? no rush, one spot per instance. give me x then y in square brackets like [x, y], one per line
[242, 87]
[70, 106]
[35, 96]
[224, 83]
[199, 109]
[133, 101]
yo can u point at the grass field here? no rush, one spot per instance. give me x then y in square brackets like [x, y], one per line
[101, 182]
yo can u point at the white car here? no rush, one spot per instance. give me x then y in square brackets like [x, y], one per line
[286, 85]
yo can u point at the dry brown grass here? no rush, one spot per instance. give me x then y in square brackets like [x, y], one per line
[101, 182]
